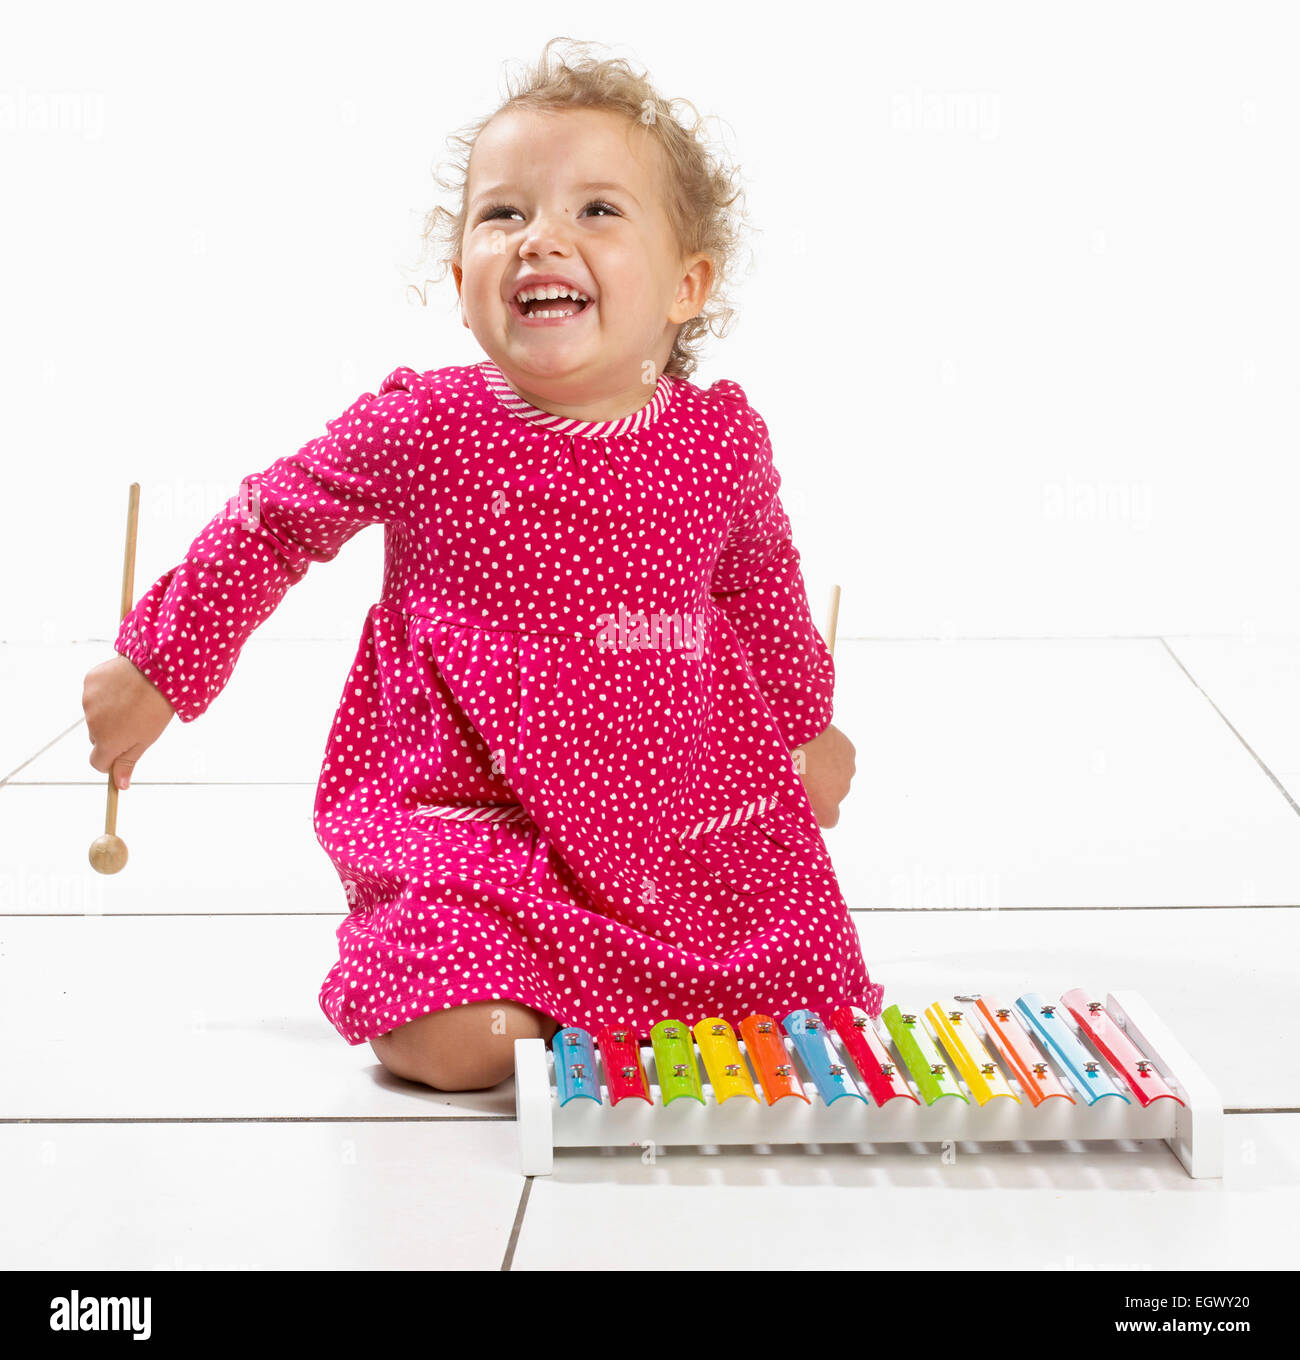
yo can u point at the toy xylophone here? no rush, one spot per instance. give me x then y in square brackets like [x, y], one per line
[970, 1069]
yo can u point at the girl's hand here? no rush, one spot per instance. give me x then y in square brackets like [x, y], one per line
[827, 767]
[125, 714]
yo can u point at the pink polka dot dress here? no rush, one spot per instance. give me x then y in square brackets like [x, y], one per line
[560, 770]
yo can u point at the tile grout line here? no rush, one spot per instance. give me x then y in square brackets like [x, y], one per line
[43, 750]
[1281, 788]
[508, 1259]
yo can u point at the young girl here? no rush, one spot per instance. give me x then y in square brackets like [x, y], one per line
[559, 788]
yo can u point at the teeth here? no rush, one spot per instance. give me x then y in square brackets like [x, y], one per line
[550, 292]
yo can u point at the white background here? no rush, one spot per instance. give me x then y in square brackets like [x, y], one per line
[1022, 317]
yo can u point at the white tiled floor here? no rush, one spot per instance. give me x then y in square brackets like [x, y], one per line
[1026, 816]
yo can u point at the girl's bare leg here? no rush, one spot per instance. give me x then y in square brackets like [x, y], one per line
[466, 1048]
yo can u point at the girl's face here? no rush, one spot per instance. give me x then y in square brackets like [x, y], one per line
[575, 195]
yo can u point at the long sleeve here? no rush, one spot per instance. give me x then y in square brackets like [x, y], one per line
[186, 632]
[758, 583]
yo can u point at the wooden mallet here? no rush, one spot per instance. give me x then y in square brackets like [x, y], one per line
[833, 618]
[108, 852]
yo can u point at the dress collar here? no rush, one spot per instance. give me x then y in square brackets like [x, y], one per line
[599, 429]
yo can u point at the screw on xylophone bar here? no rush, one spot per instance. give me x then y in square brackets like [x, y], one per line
[1064, 1047]
[816, 1051]
[773, 1068]
[674, 1058]
[958, 1035]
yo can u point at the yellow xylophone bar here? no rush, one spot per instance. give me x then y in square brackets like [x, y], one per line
[728, 1074]
[981, 1074]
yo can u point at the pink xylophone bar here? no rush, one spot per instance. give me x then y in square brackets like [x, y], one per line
[970, 1069]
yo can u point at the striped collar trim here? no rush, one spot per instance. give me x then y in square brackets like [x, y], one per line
[599, 429]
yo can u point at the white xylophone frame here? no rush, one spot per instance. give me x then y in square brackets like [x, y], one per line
[1194, 1130]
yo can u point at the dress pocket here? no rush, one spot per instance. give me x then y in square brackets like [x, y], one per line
[482, 854]
[755, 853]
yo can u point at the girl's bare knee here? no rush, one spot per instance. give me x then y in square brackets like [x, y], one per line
[466, 1048]
[469, 1070]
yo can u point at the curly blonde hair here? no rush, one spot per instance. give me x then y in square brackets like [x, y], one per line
[704, 202]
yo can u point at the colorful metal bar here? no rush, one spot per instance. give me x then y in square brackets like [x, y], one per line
[876, 1065]
[1119, 1050]
[983, 1077]
[813, 1045]
[766, 1050]
[728, 1074]
[917, 1050]
[675, 1061]
[1087, 1074]
[575, 1066]
[726, 1069]
[620, 1051]
[1037, 1077]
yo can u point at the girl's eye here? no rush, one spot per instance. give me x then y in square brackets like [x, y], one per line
[498, 208]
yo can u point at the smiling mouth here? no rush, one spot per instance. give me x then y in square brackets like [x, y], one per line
[550, 311]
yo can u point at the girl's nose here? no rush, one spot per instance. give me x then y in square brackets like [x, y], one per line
[547, 230]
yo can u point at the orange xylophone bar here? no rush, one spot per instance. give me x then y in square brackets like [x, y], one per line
[971, 1068]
